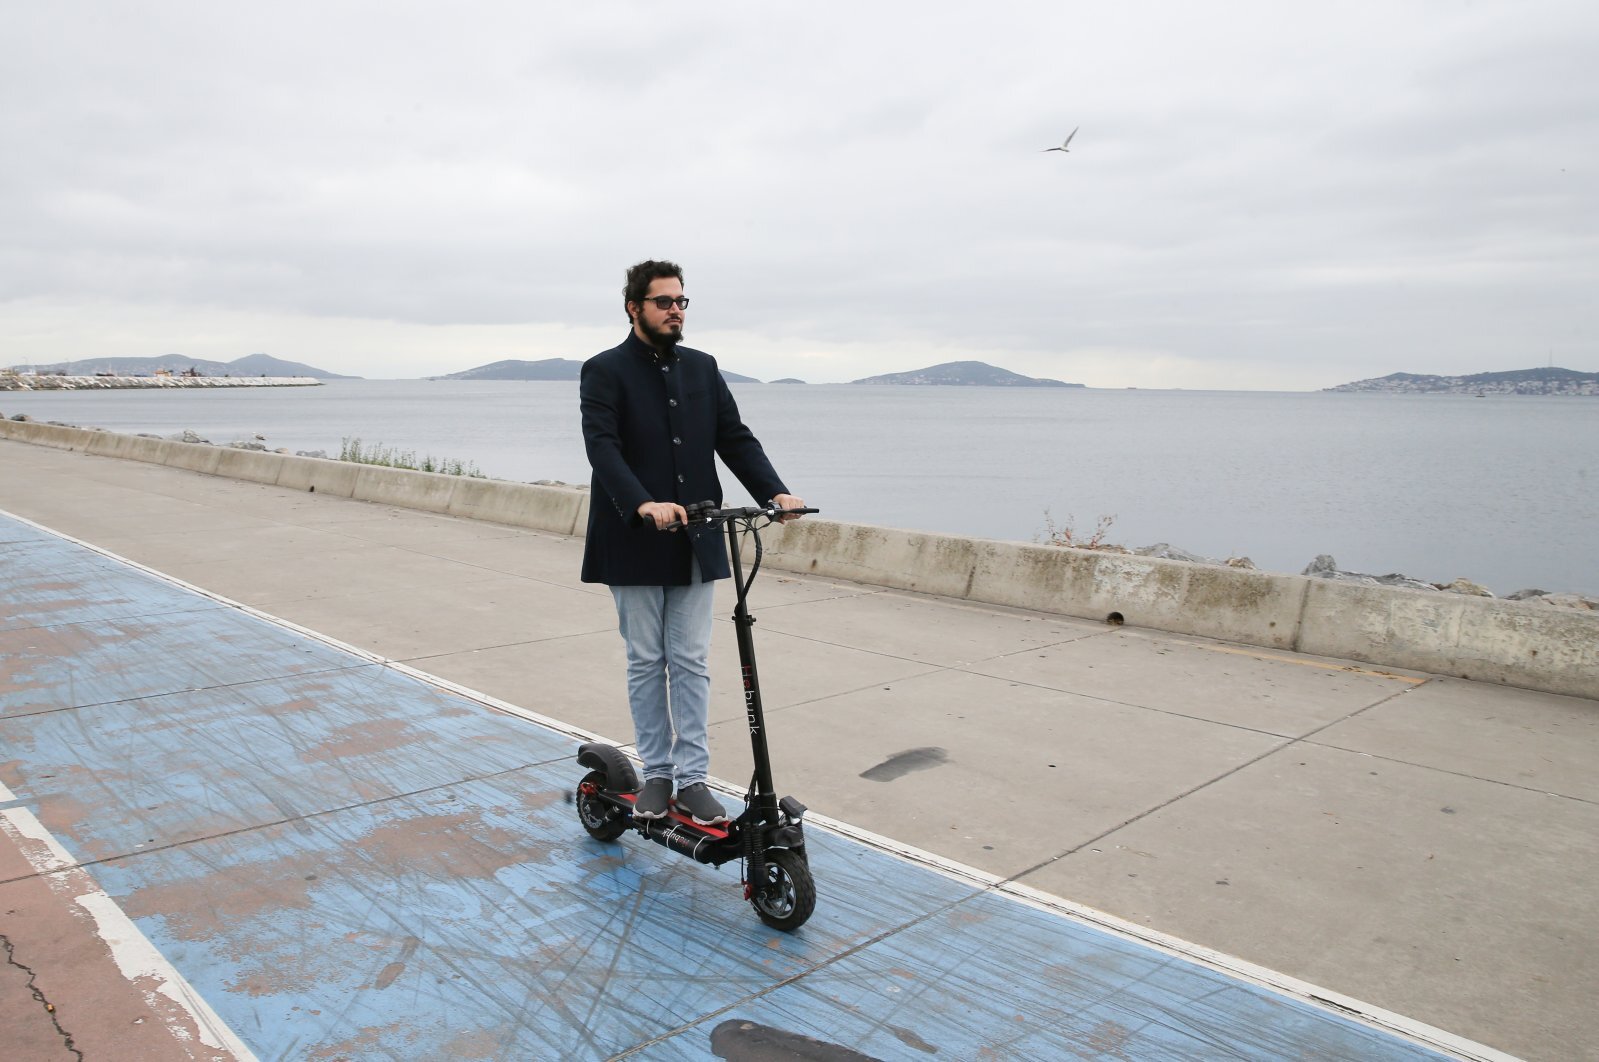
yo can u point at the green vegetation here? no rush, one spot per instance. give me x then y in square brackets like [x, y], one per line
[388, 457]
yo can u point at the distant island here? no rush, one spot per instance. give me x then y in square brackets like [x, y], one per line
[547, 369]
[963, 374]
[1550, 381]
[249, 365]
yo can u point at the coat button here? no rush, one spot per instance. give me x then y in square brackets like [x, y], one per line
[671, 402]
[676, 441]
[681, 479]
[666, 368]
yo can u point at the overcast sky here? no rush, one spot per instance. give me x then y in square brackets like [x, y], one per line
[1262, 195]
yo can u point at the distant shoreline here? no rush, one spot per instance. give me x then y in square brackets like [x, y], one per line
[1547, 381]
[1175, 478]
[26, 382]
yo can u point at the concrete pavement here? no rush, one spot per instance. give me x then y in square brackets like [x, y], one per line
[1425, 845]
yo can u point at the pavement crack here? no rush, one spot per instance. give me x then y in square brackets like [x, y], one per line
[156, 695]
[800, 975]
[1206, 784]
[411, 660]
[1134, 705]
[1458, 774]
[741, 723]
[38, 994]
[293, 820]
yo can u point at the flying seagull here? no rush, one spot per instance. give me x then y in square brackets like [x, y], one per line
[1066, 145]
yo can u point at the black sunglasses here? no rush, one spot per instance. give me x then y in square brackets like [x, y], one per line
[665, 302]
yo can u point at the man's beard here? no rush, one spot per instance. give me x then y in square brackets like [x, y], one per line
[664, 341]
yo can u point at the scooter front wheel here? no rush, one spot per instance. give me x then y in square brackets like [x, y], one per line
[604, 822]
[788, 895]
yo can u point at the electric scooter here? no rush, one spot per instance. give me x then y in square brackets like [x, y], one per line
[768, 835]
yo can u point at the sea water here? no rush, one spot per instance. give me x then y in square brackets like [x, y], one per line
[1502, 490]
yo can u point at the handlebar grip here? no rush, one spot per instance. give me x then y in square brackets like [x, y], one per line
[698, 515]
[696, 512]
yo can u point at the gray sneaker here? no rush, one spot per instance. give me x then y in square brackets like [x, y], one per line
[697, 803]
[653, 798]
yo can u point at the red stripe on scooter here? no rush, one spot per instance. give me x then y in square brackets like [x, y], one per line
[677, 816]
[709, 831]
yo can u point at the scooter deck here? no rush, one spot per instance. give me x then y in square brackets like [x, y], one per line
[716, 833]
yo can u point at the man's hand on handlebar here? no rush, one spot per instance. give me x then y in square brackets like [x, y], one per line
[663, 514]
[668, 516]
[788, 501]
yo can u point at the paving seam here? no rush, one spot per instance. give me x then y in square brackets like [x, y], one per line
[795, 978]
[928, 663]
[505, 645]
[364, 654]
[1348, 1007]
[1359, 1010]
[1241, 969]
[349, 596]
[582, 588]
[218, 607]
[186, 689]
[1458, 774]
[1326, 663]
[743, 723]
[1145, 707]
[1289, 743]
[310, 815]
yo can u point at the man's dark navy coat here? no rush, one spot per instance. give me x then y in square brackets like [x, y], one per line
[653, 427]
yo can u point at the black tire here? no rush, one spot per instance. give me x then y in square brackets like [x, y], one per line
[788, 895]
[602, 821]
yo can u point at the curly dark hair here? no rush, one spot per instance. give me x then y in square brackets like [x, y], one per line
[640, 276]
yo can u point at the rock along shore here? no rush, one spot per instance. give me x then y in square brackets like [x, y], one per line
[28, 382]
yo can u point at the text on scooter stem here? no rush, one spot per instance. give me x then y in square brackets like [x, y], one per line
[749, 698]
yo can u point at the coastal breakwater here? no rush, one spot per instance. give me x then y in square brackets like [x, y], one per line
[1484, 639]
[18, 381]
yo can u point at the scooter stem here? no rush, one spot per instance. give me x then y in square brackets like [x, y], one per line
[764, 793]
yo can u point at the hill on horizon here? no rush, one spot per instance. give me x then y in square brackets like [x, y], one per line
[249, 365]
[545, 369]
[1539, 381]
[964, 374]
[512, 369]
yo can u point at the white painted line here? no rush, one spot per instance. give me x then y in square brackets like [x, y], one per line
[1240, 969]
[139, 961]
[1221, 962]
[354, 650]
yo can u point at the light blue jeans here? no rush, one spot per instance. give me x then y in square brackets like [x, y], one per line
[668, 634]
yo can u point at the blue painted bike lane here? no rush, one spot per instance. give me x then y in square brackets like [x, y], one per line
[345, 860]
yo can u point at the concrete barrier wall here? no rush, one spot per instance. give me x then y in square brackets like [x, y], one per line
[551, 508]
[1510, 642]
[563, 510]
[1226, 603]
[318, 475]
[46, 434]
[1519, 644]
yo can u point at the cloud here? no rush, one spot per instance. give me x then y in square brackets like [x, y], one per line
[1258, 197]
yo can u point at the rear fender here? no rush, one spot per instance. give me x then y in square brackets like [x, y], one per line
[619, 774]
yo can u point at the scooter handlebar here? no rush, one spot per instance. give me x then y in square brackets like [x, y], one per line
[703, 513]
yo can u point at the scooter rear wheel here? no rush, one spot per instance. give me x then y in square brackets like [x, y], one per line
[602, 821]
[788, 895]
